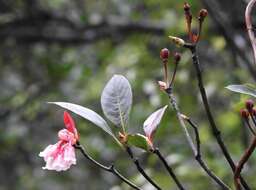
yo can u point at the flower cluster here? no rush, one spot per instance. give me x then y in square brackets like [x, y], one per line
[61, 155]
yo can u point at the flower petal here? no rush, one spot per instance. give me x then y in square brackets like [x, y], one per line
[59, 157]
[67, 136]
[70, 124]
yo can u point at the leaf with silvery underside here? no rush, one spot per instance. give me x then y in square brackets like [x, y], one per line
[247, 89]
[138, 140]
[116, 100]
[151, 123]
[87, 114]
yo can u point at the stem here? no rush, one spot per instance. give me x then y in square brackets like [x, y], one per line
[181, 121]
[166, 72]
[250, 127]
[140, 169]
[215, 131]
[196, 150]
[241, 163]
[253, 119]
[110, 169]
[169, 169]
[201, 162]
[199, 32]
[198, 142]
[249, 26]
[174, 73]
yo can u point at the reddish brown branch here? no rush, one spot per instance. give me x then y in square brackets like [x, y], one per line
[243, 160]
[248, 21]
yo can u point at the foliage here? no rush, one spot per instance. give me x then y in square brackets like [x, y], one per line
[43, 59]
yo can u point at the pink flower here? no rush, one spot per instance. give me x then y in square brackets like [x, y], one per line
[61, 155]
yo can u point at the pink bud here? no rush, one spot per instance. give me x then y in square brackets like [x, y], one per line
[177, 57]
[249, 105]
[70, 124]
[164, 53]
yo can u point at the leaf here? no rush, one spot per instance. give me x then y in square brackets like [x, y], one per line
[138, 140]
[243, 89]
[153, 121]
[87, 114]
[116, 100]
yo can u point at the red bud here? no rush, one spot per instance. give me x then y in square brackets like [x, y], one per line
[164, 53]
[177, 57]
[202, 14]
[186, 7]
[249, 105]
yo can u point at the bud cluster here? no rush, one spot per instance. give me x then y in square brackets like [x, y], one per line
[164, 56]
[194, 38]
[248, 110]
[249, 114]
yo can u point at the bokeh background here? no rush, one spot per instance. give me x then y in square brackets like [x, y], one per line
[61, 50]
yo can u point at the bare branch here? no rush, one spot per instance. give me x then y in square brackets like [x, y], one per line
[110, 169]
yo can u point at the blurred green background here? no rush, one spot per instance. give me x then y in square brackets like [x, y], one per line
[61, 50]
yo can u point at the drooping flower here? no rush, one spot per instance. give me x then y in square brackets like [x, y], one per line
[61, 155]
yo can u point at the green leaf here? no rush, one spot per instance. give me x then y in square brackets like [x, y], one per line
[87, 114]
[138, 140]
[248, 89]
[116, 100]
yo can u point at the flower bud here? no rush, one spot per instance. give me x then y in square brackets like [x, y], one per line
[202, 14]
[177, 41]
[249, 105]
[244, 113]
[177, 57]
[186, 7]
[162, 85]
[164, 53]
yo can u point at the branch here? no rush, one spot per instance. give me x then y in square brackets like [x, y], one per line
[50, 28]
[250, 127]
[110, 169]
[140, 169]
[169, 169]
[201, 161]
[196, 150]
[228, 31]
[215, 131]
[249, 26]
[181, 121]
[243, 160]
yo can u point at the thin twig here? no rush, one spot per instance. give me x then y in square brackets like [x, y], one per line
[140, 169]
[195, 149]
[253, 119]
[181, 121]
[248, 21]
[241, 163]
[250, 127]
[198, 142]
[174, 74]
[201, 161]
[215, 131]
[110, 168]
[169, 169]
